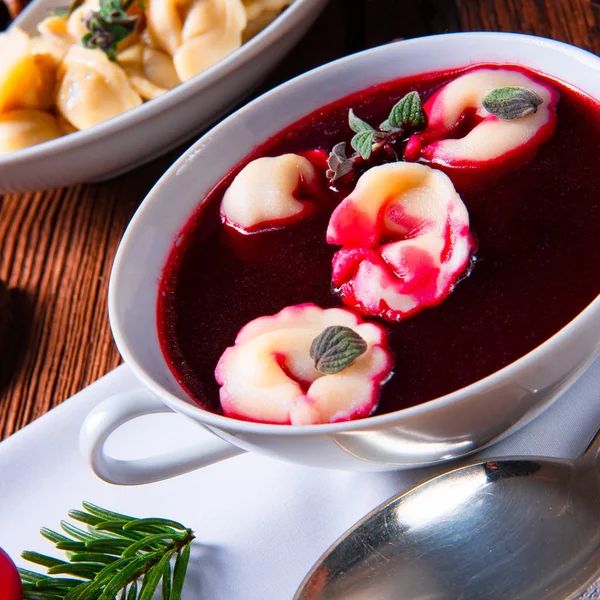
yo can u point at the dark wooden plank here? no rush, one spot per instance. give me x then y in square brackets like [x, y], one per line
[572, 21]
[388, 20]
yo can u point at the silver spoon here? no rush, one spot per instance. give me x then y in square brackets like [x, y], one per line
[508, 529]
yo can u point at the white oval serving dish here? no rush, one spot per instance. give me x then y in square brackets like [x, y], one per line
[155, 127]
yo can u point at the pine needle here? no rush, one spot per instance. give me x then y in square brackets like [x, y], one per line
[115, 556]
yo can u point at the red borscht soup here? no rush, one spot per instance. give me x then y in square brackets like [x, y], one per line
[529, 261]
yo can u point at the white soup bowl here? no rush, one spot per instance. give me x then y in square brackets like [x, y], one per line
[445, 428]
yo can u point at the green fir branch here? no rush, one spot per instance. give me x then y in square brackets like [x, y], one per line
[116, 557]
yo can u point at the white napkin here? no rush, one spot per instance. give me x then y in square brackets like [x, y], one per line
[260, 523]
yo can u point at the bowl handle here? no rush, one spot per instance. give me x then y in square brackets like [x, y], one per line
[120, 408]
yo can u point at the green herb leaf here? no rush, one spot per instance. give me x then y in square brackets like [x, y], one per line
[363, 143]
[336, 348]
[358, 125]
[388, 127]
[339, 164]
[512, 102]
[407, 114]
[108, 26]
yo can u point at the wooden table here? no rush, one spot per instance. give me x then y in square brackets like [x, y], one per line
[58, 246]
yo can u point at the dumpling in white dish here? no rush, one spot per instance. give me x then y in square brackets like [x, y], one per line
[53, 50]
[22, 128]
[198, 34]
[67, 30]
[55, 29]
[261, 13]
[258, 8]
[27, 78]
[93, 89]
[64, 125]
[151, 72]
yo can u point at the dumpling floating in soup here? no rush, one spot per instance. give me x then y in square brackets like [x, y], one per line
[286, 368]
[463, 133]
[271, 192]
[405, 237]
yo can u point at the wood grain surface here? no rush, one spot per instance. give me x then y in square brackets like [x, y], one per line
[57, 247]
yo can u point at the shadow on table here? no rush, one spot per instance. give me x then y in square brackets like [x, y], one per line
[15, 336]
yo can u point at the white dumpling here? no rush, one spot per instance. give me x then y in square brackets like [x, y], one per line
[405, 237]
[197, 34]
[41, 45]
[257, 8]
[93, 89]
[27, 78]
[151, 72]
[212, 30]
[269, 376]
[55, 28]
[65, 126]
[264, 194]
[165, 23]
[67, 30]
[23, 128]
[261, 13]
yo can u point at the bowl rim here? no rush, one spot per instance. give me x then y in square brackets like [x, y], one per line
[149, 110]
[232, 425]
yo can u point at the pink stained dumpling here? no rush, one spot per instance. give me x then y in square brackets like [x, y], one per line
[462, 134]
[268, 375]
[270, 193]
[406, 241]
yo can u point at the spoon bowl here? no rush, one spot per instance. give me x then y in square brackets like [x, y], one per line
[518, 528]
